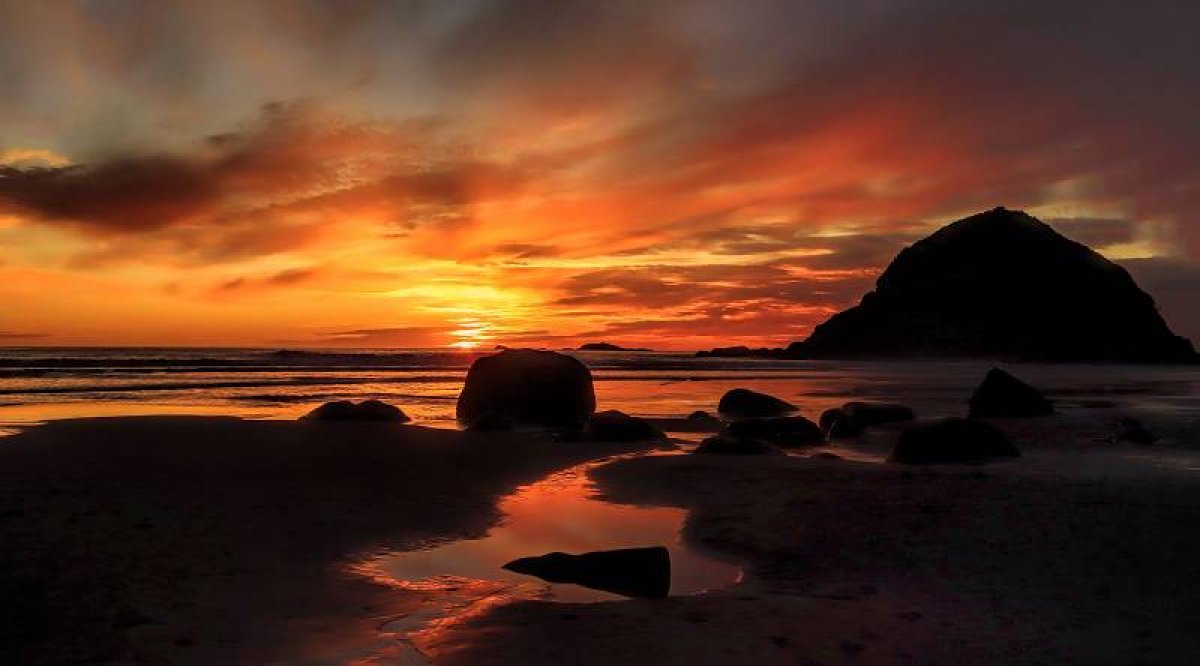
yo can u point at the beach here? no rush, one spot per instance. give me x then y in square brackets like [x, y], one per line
[199, 540]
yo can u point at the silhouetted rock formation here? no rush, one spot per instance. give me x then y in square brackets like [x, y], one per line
[725, 445]
[604, 346]
[367, 410]
[952, 441]
[528, 387]
[1131, 431]
[633, 572]
[852, 418]
[615, 426]
[1002, 395]
[740, 403]
[786, 431]
[1001, 285]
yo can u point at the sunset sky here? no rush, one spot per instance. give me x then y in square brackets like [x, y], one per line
[672, 174]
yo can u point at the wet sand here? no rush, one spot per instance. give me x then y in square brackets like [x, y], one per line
[195, 540]
[1081, 551]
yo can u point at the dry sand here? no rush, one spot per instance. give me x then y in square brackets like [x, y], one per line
[219, 541]
[1080, 552]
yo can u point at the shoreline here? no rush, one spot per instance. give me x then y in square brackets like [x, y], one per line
[1038, 560]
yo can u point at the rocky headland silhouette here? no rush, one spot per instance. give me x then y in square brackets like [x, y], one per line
[999, 285]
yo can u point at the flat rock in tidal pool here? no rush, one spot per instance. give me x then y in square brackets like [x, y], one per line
[615, 426]
[632, 572]
[1001, 395]
[740, 403]
[529, 388]
[724, 445]
[952, 441]
[786, 431]
[852, 418]
[367, 410]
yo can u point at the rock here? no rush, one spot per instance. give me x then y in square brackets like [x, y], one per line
[615, 426]
[1002, 395]
[367, 410]
[701, 416]
[632, 572]
[852, 418]
[528, 387]
[786, 431]
[741, 403]
[1001, 285]
[725, 445]
[952, 441]
[1131, 431]
[604, 346]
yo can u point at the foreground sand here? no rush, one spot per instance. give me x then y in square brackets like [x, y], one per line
[222, 541]
[1080, 552]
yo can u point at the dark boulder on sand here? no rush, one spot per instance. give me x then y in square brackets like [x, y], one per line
[367, 410]
[786, 431]
[725, 445]
[740, 403]
[1002, 395]
[1002, 285]
[528, 387]
[615, 426]
[952, 441]
[632, 572]
[852, 418]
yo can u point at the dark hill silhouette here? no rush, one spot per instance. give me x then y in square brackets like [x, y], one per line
[1002, 285]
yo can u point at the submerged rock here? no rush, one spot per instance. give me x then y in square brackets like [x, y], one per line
[528, 387]
[852, 418]
[1003, 285]
[952, 440]
[1002, 395]
[740, 403]
[632, 572]
[367, 410]
[725, 445]
[786, 431]
[615, 426]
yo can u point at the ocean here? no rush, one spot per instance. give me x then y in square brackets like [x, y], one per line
[38, 384]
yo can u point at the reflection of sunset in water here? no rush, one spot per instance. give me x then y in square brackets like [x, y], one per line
[559, 513]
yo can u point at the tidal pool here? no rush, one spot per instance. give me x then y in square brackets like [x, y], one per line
[562, 512]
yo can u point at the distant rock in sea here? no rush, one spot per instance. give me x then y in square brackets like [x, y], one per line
[604, 346]
[1000, 285]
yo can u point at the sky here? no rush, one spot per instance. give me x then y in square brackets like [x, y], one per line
[676, 174]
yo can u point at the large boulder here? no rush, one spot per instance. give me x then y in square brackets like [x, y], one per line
[632, 572]
[852, 418]
[528, 387]
[1002, 395]
[615, 426]
[740, 403]
[367, 410]
[724, 445]
[786, 431]
[952, 440]
[1002, 285]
